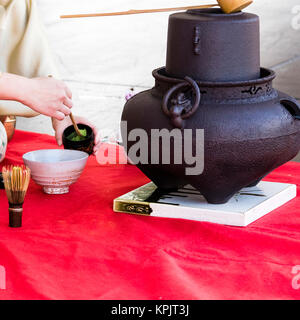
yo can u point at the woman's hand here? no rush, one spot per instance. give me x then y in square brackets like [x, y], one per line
[60, 126]
[48, 96]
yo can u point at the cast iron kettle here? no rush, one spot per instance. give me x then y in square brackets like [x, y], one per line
[213, 81]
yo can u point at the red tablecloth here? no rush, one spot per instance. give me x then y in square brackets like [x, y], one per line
[75, 247]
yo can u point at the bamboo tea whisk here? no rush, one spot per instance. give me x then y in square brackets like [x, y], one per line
[227, 6]
[16, 181]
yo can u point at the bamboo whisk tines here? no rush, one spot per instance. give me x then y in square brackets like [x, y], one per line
[16, 181]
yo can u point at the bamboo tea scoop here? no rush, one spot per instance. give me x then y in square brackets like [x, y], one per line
[73, 121]
[228, 6]
[75, 126]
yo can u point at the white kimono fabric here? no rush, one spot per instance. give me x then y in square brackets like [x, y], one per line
[23, 48]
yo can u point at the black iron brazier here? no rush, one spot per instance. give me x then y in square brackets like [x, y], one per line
[250, 128]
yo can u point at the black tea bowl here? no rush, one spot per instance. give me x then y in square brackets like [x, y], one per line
[86, 145]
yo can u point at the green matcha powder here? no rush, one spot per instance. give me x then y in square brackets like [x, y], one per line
[74, 137]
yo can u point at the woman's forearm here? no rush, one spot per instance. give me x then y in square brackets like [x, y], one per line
[47, 96]
[13, 87]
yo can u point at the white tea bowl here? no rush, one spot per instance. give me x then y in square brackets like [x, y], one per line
[55, 170]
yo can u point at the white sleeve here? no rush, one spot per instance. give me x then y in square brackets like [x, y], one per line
[24, 48]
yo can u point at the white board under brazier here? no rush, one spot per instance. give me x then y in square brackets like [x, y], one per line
[245, 207]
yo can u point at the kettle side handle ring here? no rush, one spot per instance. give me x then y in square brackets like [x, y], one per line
[292, 106]
[188, 81]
